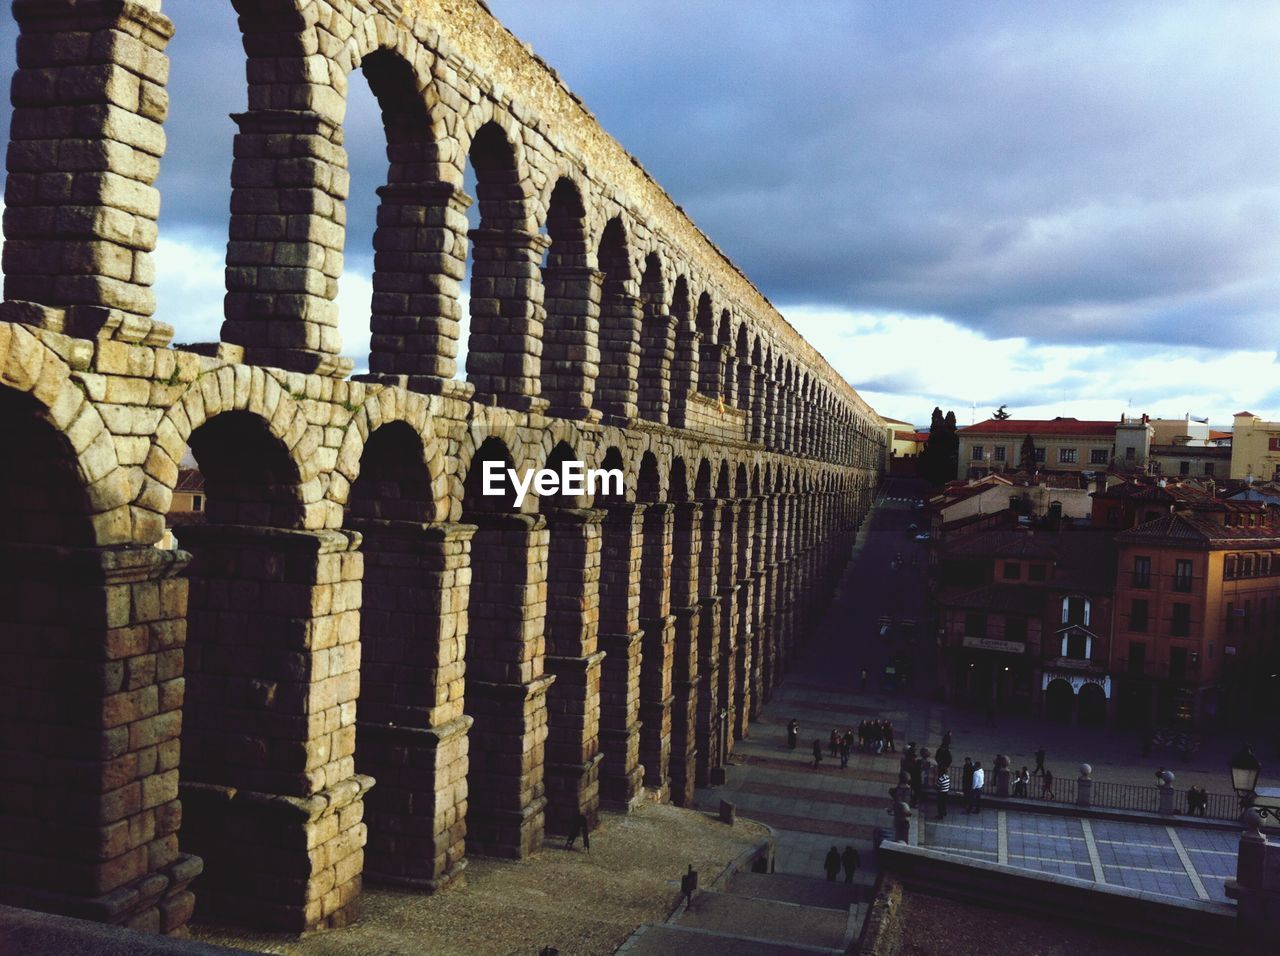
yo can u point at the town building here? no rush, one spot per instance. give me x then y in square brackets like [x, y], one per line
[1185, 460]
[1255, 448]
[1060, 445]
[1025, 619]
[1197, 599]
[1133, 500]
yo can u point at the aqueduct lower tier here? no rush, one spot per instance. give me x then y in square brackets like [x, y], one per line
[358, 664]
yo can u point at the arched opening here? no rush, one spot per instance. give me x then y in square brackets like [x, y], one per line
[417, 227]
[573, 656]
[571, 335]
[1093, 705]
[728, 363]
[620, 639]
[657, 625]
[684, 364]
[709, 351]
[272, 674]
[657, 344]
[504, 344]
[746, 375]
[685, 544]
[57, 674]
[505, 687]
[620, 316]
[1059, 701]
[410, 736]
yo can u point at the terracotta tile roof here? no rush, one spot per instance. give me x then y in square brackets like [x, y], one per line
[1056, 426]
[1199, 529]
[190, 479]
[1083, 558]
[1005, 598]
[1215, 435]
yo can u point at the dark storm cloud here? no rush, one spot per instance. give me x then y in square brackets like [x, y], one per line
[1083, 172]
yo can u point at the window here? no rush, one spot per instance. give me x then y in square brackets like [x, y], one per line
[1138, 610]
[1015, 629]
[1066, 456]
[997, 453]
[1273, 443]
[1098, 456]
[1137, 658]
[197, 502]
[1075, 610]
[1040, 458]
[1037, 572]
[1077, 645]
[1184, 467]
[1208, 468]
[1264, 564]
[975, 624]
[1012, 571]
[1229, 567]
[977, 453]
[1130, 453]
[1141, 572]
[1246, 566]
[1182, 575]
[1180, 625]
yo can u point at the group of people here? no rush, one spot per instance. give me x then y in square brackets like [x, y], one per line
[1197, 801]
[873, 736]
[849, 860]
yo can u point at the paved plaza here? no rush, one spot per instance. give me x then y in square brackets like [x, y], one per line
[1174, 861]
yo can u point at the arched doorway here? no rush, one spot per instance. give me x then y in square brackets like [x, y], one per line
[1059, 701]
[1093, 705]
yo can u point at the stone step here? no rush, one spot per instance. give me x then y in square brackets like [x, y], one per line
[669, 939]
[788, 888]
[764, 919]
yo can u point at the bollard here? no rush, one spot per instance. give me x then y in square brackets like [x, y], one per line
[728, 812]
[1164, 780]
[1084, 787]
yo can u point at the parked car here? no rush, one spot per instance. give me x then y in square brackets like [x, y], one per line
[923, 536]
[913, 527]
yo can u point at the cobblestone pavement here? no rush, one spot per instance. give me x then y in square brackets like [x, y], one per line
[577, 902]
[1187, 863]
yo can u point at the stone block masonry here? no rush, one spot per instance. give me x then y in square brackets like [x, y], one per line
[354, 665]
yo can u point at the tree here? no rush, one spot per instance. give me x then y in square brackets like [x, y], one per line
[1000, 414]
[940, 457]
[1027, 457]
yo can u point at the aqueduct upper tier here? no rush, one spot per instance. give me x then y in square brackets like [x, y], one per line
[357, 663]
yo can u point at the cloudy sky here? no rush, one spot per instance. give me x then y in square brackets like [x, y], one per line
[1069, 208]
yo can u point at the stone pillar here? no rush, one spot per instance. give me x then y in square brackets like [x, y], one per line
[658, 350]
[573, 657]
[504, 351]
[411, 735]
[658, 648]
[747, 660]
[685, 555]
[620, 638]
[708, 634]
[270, 793]
[420, 260]
[684, 374]
[729, 609]
[745, 398]
[710, 370]
[91, 696]
[506, 688]
[85, 143]
[571, 341]
[772, 413]
[759, 422]
[616, 389]
[284, 258]
[729, 374]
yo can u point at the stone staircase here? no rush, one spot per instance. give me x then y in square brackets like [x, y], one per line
[758, 914]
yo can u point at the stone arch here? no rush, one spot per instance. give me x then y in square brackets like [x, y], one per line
[611, 458]
[703, 486]
[657, 343]
[480, 431]
[728, 363]
[678, 486]
[385, 407]
[41, 389]
[649, 485]
[620, 322]
[250, 389]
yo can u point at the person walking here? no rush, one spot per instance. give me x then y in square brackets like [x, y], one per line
[966, 779]
[863, 679]
[846, 744]
[581, 828]
[834, 743]
[817, 752]
[1046, 785]
[832, 863]
[975, 791]
[850, 860]
[946, 741]
[1040, 755]
[944, 791]
[888, 736]
[1020, 782]
[793, 733]
[901, 822]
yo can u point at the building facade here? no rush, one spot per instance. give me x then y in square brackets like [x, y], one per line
[1060, 445]
[1255, 448]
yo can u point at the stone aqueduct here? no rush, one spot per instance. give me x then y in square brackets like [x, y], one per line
[354, 611]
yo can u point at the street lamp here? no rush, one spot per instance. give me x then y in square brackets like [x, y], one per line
[1245, 771]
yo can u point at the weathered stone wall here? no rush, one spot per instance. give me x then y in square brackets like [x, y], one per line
[359, 665]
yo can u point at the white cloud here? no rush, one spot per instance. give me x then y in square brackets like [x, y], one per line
[904, 365]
